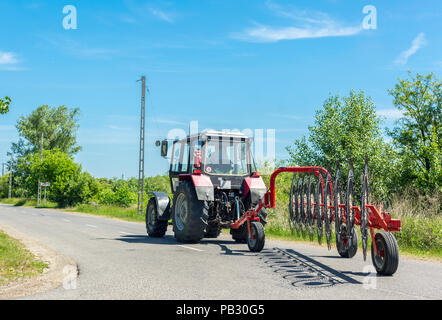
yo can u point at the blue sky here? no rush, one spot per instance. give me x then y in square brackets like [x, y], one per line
[229, 64]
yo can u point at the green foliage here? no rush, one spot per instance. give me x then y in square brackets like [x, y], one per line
[417, 135]
[58, 125]
[347, 128]
[4, 105]
[69, 185]
[4, 185]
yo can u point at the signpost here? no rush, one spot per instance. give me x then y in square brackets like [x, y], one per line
[45, 184]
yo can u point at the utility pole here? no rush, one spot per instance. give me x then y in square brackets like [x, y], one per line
[3, 168]
[39, 181]
[10, 179]
[140, 209]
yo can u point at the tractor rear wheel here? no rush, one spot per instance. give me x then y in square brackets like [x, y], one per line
[256, 239]
[189, 215]
[154, 227]
[387, 260]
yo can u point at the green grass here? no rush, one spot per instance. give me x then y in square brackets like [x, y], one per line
[16, 261]
[20, 202]
[129, 214]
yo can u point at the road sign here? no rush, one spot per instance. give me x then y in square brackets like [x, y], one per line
[45, 184]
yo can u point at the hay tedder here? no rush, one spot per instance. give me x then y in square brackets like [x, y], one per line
[215, 185]
[315, 203]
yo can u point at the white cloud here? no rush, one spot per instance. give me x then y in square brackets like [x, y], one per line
[7, 58]
[390, 114]
[271, 34]
[162, 15]
[304, 24]
[416, 44]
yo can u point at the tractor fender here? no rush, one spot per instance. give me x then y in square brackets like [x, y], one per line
[202, 184]
[163, 205]
[256, 187]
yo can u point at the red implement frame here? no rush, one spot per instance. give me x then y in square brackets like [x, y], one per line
[377, 219]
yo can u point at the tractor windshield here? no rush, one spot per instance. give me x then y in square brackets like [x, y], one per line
[226, 157]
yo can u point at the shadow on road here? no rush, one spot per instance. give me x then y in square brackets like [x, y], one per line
[168, 240]
[301, 270]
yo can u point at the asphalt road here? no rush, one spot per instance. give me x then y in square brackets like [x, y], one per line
[117, 260]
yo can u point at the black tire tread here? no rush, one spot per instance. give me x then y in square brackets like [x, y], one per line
[159, 227]
[260, 235]
[391, 258]
[196, 225]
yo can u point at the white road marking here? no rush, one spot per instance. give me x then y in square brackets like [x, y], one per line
[124, 232]
[66, 220]
[190, 248]
[92, 226]
[34, 214]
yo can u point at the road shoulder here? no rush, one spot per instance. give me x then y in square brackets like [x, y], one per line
[61, 269]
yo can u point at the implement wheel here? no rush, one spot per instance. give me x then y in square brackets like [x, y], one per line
[386, 260]
[256, 239]
[347, 245]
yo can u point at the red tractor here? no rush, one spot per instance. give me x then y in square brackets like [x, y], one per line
[214, 183]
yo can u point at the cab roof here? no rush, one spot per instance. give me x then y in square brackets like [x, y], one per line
[208, 134]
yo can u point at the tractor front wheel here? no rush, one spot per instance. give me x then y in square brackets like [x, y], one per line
[256, 239]
[154, 227]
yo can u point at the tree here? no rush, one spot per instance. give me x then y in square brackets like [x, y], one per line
[4, 105]
[59, 126]
[347, 128]
[417, 135]
[69, 185]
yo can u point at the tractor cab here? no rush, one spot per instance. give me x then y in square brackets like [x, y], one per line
[225, 158]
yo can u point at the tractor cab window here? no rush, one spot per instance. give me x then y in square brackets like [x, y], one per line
[180, 157]
[226, 157]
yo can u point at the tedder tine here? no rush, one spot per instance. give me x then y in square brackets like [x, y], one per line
[298, 207]
[337, 200]
[305, 200]
[302, 201]
[327, 212]
[364, 209]
[292, 205]
[349, 200]
[310, 209]
[319, 199]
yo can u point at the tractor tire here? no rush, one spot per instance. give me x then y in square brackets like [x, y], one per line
[388, 260]
[213, 230]
[256, 240]
[189, 215]
[351, 250]
[241, 234]
[155, 228]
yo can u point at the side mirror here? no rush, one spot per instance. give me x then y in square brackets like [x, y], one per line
[164, 147]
